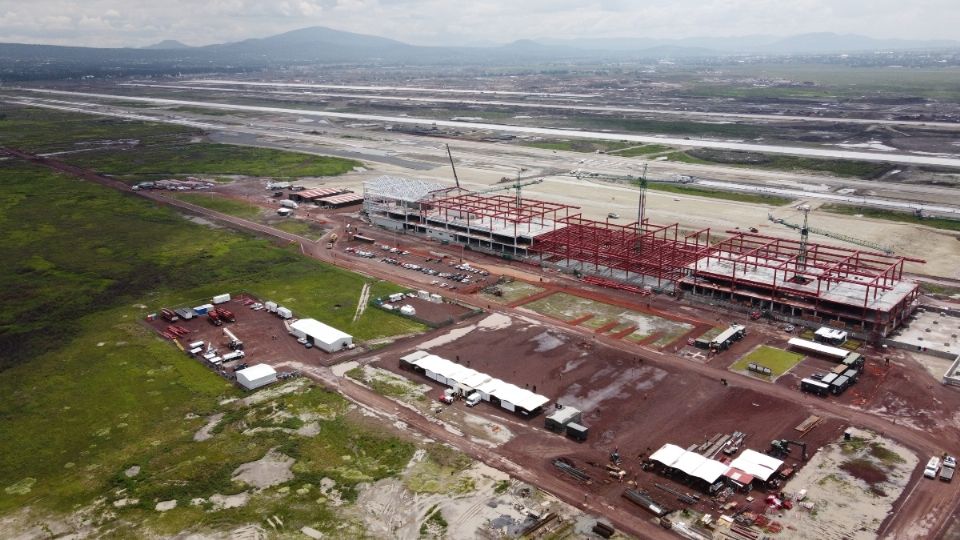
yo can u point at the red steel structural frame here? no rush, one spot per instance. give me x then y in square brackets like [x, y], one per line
[652, 250]
[503, 208]
[826, 265]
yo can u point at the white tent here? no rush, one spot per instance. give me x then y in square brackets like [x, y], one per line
[256, 376]
[324, 337]
[511, 397]
[690, 463]
[759, 465]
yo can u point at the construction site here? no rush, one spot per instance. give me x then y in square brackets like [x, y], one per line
[797, 280]
[666, 363]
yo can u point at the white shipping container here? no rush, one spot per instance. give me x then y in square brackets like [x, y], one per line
[284, 313]
[424, 295]
[196, 350]
[221, 298]
[436, 298]
[271, 307]
[195, 344]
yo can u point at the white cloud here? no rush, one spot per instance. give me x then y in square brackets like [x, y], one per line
[139, 22]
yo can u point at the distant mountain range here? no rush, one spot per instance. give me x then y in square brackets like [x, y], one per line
[326, 45]
[168, 44]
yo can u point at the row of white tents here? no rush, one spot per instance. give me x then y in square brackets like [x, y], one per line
[748, 465]
[467, 380]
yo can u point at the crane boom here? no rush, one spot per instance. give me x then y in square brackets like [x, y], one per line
[510, 185]
[830, 234]
[455, 177]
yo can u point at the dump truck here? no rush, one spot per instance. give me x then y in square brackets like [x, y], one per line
[214, 318]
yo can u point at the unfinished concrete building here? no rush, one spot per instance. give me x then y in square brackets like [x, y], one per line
[859, 290]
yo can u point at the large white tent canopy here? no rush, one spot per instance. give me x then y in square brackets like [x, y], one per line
[453, 374]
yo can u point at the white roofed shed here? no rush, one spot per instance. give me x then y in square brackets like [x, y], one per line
[256, 376]
[321, 335]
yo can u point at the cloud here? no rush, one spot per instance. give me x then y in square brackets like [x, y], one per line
[139, 22]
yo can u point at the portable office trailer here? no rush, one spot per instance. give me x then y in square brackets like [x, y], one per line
[231, 356]
[852, 374]
[196, 344]
[202, 310]
[284, 313]
[854, 360]
[577, 432]
[830, 336]
[184, 313]
[839, 384]
[221, 298]
[270, 306]
[726, 338]
[814, 387]
[829, 378]
[557, 421]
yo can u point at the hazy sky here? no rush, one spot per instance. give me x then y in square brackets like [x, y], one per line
[199, 22]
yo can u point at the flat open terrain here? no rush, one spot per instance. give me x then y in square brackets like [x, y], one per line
[614, 320]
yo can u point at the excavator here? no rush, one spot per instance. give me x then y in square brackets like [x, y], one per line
[781, 447]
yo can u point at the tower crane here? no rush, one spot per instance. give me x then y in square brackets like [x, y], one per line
[805, 231]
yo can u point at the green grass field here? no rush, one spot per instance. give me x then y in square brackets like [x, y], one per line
[578, 145]
[890, 215]
[43, 130]
[753, 198]
[643, 150]
[513, 291]
[82, 248]
[839, 167]
[160, 150]
[778, 360]
[209, 159]
[221, 204]
[89, 391]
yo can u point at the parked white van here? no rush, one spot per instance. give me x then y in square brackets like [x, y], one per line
[933, 467]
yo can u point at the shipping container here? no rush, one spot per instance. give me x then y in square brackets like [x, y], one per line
[221, 298]
[284, 313]
[195, 344]
[814, 387]
[271, 306]
[839, 384]
[201, 310]
[196, 350]
[184, 313]
[577, 432]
